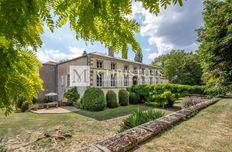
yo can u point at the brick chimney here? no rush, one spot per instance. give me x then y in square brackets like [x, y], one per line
[111, 52]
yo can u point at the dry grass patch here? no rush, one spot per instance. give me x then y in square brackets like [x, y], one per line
[20, 130]
[209, 130]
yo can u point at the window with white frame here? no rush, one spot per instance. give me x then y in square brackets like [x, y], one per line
[113, 80]
[143, 80]
[151, 80]
[126, 80]
[157, 80]
[99, 64]
[151, 72]
[143, 70]
[62, 80]
[99, 79]
[126, 68]
[135, 70]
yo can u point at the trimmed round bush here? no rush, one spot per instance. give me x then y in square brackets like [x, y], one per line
[123, 97]
[111, 99]
[133, 98]
[25, 106]
[169, 97]
[93, 100]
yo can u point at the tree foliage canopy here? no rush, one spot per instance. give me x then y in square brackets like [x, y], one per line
[216, 44]
[22, 22]
[138, 57]
[180, 67]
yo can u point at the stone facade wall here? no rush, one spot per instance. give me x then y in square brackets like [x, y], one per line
[62, 74]
[156, 77]
[48, 75]
[56, 76]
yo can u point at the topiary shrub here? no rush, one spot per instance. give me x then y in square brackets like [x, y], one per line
[111, 99]
[133, 98]
[123, 97]
[169, 97]
[72, 95]
[25, 106]
[140, 117]
[93, 100]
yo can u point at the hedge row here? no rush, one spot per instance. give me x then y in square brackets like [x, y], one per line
[165, 94]
[94, 99]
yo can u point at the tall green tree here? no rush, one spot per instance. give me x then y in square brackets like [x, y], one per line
[138, 57]
[180, 67]
[216, 45]
[21, 26]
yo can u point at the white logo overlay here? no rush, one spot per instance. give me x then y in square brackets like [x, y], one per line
[79, 76]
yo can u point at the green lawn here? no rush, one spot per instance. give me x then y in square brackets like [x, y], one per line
[115, 112]
[87, 127]
[210, 130]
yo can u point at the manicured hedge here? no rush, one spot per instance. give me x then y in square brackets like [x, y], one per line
[123, 97]
[111, 99]
[165, 94]
[133, 98]
[93, 100]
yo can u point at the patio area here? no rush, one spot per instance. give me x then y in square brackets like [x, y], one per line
[55, 110]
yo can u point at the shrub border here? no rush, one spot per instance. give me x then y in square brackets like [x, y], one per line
[129, 139]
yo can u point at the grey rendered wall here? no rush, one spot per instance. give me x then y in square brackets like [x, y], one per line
[48, 75]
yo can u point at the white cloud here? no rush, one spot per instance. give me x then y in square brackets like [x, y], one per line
[152, 55]
[173, 28]
[57, 55]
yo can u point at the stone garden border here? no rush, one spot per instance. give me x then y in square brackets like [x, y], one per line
[128, 139]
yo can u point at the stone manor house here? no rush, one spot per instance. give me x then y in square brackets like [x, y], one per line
[106, 72]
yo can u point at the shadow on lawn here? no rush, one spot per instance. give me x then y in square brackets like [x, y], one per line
[176, 107]
[111, 113]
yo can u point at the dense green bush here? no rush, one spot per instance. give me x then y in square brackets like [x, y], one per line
[140, 117]
[133, 98]
[35, 100]
[93, 100]
[72, 95]
[152, 92]
[197, 90]
[20, 102]
[111, 99]
[25, 106]
[123, 97]
[169, 97]
[142, 91]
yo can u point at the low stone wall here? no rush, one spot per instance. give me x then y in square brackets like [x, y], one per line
[129, 139]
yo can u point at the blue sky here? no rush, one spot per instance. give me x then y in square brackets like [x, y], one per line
[173, 28]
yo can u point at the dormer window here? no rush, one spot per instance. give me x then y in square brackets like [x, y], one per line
[99, 64]
[143, 70]
[113, 66]
[126, 68]
[143, 80]
[135, 69]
